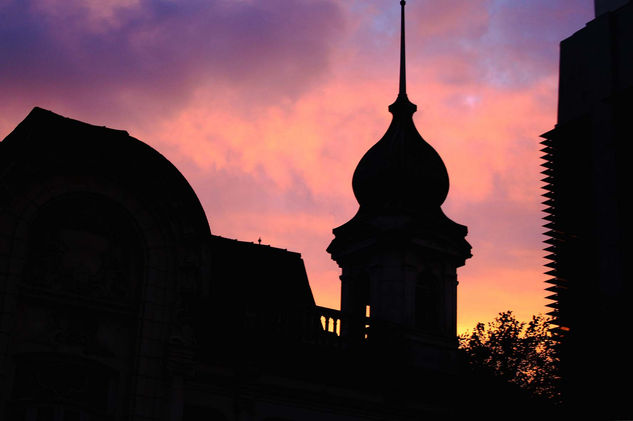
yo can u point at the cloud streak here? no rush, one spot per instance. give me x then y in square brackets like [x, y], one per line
[267, 107]
[163, 50]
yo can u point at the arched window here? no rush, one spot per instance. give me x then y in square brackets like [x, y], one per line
[77, 311]
[83, 244]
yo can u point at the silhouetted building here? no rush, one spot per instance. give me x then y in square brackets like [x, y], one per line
[589, 213]
[400, 253]
[117, 302]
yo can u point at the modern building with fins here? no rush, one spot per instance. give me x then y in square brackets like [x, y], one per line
[589, 213]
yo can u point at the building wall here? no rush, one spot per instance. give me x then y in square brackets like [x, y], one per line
[116, 302]
[589, 221]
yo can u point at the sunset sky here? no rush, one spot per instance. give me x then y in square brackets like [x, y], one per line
[266, 107]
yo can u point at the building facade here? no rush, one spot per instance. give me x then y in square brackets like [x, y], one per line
[588, 213]
[118, 303]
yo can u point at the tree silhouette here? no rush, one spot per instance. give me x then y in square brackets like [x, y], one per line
[520, 353]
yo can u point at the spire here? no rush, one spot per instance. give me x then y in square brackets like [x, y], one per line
[402, 106]
[401, 171]
[403, 66]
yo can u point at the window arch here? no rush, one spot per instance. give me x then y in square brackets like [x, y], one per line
[77, 310]
[85, 244]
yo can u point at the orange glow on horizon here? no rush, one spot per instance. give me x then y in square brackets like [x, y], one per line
[268, 117]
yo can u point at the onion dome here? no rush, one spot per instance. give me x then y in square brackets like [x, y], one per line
[401, 171]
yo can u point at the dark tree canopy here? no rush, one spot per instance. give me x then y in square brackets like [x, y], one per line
[519, 352]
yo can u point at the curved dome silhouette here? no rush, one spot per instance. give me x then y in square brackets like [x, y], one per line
[401, 171]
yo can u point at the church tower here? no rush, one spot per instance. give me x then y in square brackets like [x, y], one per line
[399, 254]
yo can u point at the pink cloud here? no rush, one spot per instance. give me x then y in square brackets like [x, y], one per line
[454, 19]
[267, 107]
[93, 56]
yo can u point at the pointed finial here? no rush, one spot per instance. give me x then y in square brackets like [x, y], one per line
[402, 106]
[403, 67]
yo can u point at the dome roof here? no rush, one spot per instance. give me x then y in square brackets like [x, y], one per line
[401, 171]
[400, 184]
[54, 145]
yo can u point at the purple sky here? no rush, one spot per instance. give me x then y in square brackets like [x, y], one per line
[267, 106]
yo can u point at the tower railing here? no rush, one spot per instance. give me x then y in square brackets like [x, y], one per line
[315, 325]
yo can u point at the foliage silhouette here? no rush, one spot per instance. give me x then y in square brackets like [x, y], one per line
[518, 352]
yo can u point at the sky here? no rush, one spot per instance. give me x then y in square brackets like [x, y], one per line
[266, 107]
